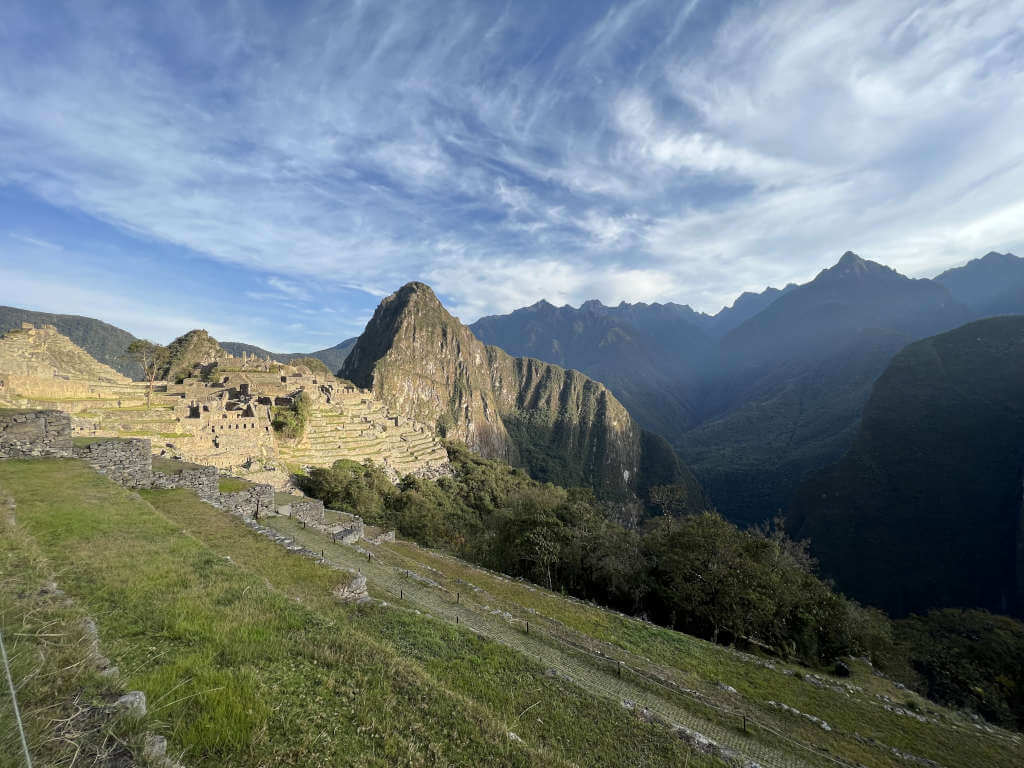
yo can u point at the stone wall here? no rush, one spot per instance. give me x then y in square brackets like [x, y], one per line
[306, 510]
[203, 481]
[125, 461]
[34, 433]
[254, 501]
[349, 529]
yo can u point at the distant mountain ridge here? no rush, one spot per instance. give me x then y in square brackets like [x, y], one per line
[332, 357]
[644, 352]
[757, 395]
[559, 424]
[991, 285]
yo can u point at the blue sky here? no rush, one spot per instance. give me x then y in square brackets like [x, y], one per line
[269, 170]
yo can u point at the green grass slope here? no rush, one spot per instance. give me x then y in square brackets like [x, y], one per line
[715, 690]
[246, 659]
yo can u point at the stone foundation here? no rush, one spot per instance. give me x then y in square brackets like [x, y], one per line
[25, 434]
[306, 510]
[349, 530]
[202, 480]
[255, 501]
[125, 461]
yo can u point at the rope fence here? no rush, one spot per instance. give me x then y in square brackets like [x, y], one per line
[14, 702]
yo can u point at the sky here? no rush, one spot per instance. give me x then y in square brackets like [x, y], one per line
[270, 170]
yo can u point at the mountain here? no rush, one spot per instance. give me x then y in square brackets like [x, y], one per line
[785, 393]
[747, 305]
[647, 354]
[46, 354]
[926, 508]
[332, 357]
[103, 341]
[991, 285]
[557, 423]
[757, 395]
[185, 353]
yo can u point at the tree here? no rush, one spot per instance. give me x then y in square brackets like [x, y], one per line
[151, 358]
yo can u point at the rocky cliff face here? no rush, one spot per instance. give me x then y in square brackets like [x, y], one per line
[559, 424]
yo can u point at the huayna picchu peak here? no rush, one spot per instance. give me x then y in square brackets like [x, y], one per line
[556, 422]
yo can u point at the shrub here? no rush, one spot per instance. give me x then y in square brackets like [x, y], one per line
[290, 421]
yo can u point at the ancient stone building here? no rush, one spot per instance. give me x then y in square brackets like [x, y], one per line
[221, 418]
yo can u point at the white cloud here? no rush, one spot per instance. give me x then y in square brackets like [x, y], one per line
[648, 152]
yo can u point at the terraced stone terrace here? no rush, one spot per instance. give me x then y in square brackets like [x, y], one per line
[225, 422]
[359, 428]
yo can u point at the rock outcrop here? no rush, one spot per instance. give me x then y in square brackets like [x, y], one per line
[559, 424]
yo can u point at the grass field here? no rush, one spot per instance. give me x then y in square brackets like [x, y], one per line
[52, 658]
[862, 731]
[247, 659]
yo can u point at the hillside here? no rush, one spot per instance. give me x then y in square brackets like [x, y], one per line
[559, 424]
[245, 657]
[785, 393]
[332, 357]
[43, 353]
[930, 492]
[991, 285]
[103, 341]
[189, 352]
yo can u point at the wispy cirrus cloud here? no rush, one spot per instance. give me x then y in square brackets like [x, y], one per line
[638, 151]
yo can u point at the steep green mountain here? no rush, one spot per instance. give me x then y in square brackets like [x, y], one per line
[332, 357]
[991, 285]
[786, 390]
[192, 349]
[926, 508]
[103, 341]
[557, 423]
[648, 354]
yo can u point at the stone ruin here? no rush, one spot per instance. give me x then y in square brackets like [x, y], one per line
[130, 462]
[26, 434]
[225, 422]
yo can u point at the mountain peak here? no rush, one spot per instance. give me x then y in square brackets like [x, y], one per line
[852, 265]
[541, 306]
[417, 289]
[994, 257]
[188, 352]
